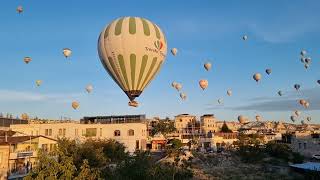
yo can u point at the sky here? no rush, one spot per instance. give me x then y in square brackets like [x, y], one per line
[202, 31]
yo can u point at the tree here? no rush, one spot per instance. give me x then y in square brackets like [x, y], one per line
[164, 127]
[87, 173]
[225, 128]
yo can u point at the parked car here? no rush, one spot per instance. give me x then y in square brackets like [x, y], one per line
[316, 156]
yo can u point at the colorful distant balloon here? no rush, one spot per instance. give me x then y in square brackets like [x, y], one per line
[307, 60]
[75, 105]
[66, 52]
[89, 88]
[203, 84]
[25, 116]
[229, 92]
[19, 9]
[257, 77]
[303, 122]
[220, 101]
[280, 93]
[297, 113]
[302, 102]
[27, 60]
[183, 96]
[207, 66]
[297, 86]
[318, 81]
[302, 59]
[308, 118]
[132, 50]
[268, 71]
[303, 52]
[306, 66]
[258, 118]
[293, 118]
[307, 104]
[173, 84]
[38, 82]
[245, 37]
[174, 51]
[178, 86]
[242, 119]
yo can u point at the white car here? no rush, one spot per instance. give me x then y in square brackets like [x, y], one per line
[316, 156]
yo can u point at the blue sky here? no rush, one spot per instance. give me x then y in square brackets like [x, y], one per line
[201, 30]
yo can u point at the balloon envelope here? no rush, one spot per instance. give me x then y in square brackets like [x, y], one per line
[132, 50]
[242, 119]
[66, 52]
[280, 93]
[318, 81]
[297, 86]
[268, 71]
[257, 77]
[297, 113]
[75, 105]
[245, 37]
[229, 92]
[19, 9]
[174, 51]
[38, 82]
[203, 84]
[258, 117]
[293, 118]
[27, 60]
[178, 86]
[207, 66]
[89, 88]
[183, 96]
[303, 52]
[308, 118]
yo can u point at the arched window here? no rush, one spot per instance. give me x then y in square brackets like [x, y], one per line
[130, 132]
[117, 133]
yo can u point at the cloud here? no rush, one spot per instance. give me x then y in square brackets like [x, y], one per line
[285, 103]
[23, 96]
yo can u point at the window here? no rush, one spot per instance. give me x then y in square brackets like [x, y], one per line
[299, 145]
[76, 132]
[64, 132]
[100, 131]
[48, 132]
[131, 132]
[45, 147]
[60, 132]
[137, 144]
[304, 145]
[91, 132]
[117, 133]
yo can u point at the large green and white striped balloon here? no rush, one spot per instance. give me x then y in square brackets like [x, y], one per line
[132, 50]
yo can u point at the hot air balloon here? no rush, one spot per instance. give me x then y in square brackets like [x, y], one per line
[297, 113]
[242, 119]
[268, 71]
[318, 81]
[306, 105]
[297, 86]
[293, 118]
[307, 60]
[89, 88]
[66, 52]
[306, 66]
[183, 96]
[229, 92]
[302, 59]
[178, 86]
[173, 84]
[132, 50]
[203, 84]
[303, 122]
[174, 51]
[24, 116]
[245, 37]
[258, 118]
[38, 82]
[19, 9]
[27, 60]
[257, 77]
[75, 105]
[303, 52]
[220, 101]
[308, 118]
[207, 66]
[280, 93]
[302, 102]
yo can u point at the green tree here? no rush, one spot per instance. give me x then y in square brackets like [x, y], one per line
[86, 173]
[225, 128]
[164, 127]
